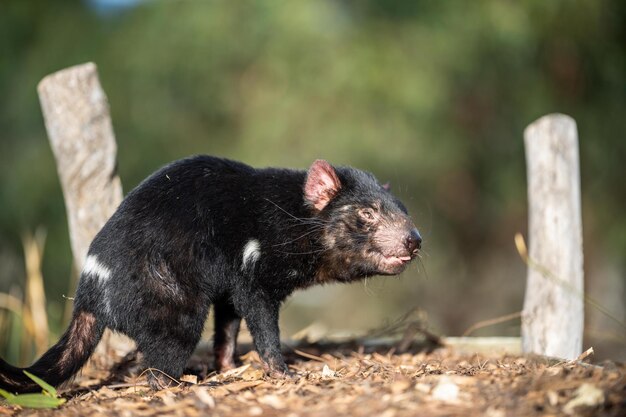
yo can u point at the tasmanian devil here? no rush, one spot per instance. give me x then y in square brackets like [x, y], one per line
[207, 231]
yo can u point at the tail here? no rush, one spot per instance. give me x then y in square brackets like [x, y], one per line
[61, 361]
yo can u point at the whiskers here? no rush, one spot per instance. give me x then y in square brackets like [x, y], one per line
[302, 236]
[419, 259]
[311, 252]
[299, 220]
[367, 290]
[311, 226]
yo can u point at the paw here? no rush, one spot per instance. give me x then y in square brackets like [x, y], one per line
[282, 374]
[279, 370]
[158, 381]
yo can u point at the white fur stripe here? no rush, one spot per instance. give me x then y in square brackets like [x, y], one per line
[93, 267]
[251, 254]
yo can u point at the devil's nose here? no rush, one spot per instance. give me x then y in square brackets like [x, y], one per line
[413, 241]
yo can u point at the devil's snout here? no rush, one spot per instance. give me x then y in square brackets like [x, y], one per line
[413, 242]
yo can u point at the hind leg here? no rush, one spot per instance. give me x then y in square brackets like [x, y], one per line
[227, 323]
[165, 361]
[167, 345]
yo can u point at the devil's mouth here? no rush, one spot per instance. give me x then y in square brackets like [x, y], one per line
[391, 263]
[393, 260]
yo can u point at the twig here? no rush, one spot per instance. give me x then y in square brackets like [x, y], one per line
[409, 335]
[579, 360]
[491, 322]
[152, 370]
[310, 356]
[583, 356]
[127, 385]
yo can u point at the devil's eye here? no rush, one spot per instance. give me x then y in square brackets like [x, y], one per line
[367, 214]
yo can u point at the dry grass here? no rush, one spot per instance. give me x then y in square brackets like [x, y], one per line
[28, 317]
[35, 314]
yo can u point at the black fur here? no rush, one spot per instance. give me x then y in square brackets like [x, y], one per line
[206, 231]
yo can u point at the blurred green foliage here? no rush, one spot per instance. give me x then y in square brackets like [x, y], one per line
[432, 96]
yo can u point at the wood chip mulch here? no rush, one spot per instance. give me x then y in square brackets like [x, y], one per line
[360, 383]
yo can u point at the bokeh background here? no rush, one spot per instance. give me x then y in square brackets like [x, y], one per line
[432, 96]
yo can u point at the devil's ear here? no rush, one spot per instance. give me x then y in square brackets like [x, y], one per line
[386, 186]
[321, 185]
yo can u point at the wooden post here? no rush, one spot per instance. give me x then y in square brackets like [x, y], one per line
[553, 316]
[76, 114]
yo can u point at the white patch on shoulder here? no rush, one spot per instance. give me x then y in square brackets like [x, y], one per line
[251, 254]
[93, 267]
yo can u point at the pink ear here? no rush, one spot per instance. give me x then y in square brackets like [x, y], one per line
[321, 185]
[387, 186]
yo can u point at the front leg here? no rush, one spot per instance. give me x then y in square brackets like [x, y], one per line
[261, 315]
[227, 323]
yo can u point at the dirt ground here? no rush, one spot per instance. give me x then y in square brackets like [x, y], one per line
[349, 379]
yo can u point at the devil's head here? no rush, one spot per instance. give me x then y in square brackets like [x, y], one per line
[366, 230]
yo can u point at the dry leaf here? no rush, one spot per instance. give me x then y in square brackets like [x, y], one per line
[191, 379]
[446, 391]
[242, 385]
[234, 372]
[272, 401]
[106, 392]
[255, 411]
[423, 388]
[553, 397]
[203, 395]
[586, 395]
[253, 375]
[327, 372]
[7, 411]
[167, 396]
[399, 386]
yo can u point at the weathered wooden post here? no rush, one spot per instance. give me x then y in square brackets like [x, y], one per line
[553, 316]
[76, 114]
